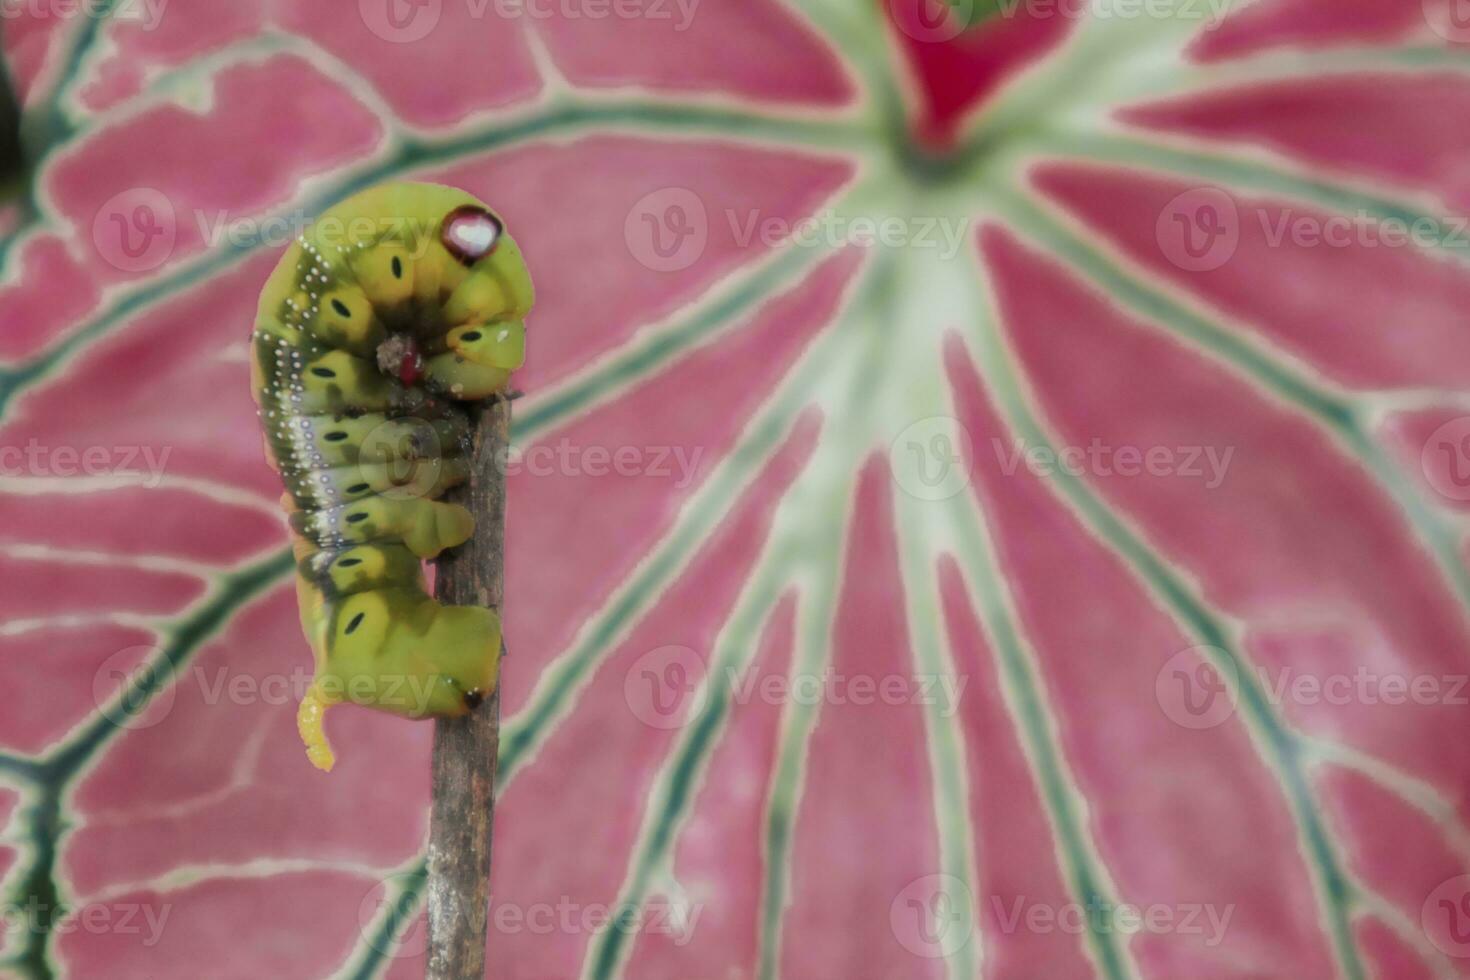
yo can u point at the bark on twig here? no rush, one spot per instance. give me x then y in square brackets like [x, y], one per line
[466, 749]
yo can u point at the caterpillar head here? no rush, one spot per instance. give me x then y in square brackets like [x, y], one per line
[467, 265]
[491, 283]
[404, 273]
[487, 338]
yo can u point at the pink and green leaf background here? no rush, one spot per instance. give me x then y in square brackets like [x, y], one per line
[841, 673]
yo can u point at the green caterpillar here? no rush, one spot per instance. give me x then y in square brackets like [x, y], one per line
[392, 310]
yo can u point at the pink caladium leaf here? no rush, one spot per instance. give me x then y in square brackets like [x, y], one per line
[988, 499]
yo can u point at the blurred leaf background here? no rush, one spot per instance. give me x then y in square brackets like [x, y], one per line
[989, 499]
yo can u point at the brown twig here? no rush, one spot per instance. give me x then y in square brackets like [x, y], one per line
[466, 749]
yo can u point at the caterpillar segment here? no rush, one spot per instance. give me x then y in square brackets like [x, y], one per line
[378, 325]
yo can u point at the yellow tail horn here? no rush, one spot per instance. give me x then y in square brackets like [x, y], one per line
[309, 722]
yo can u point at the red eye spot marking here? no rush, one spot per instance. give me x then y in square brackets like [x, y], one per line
[470, 233]
[411, 365]
[411, 368]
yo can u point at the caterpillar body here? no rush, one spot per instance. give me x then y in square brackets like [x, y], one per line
[395, 308]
